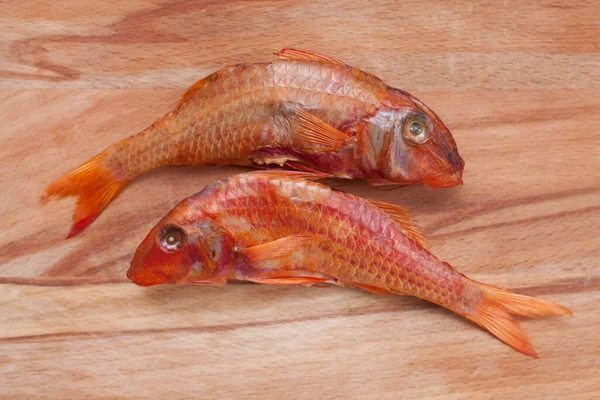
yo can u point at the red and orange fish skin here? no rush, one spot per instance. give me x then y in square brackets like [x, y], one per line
[245, 115]
[354, 241]
[350, 243]
[239, 115]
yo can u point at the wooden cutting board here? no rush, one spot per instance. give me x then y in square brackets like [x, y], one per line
[518, 84]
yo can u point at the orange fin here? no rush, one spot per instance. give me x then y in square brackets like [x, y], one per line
[302, 167]
[283, 247]
[306, 55]
[378, 182]
[373, 289]
[282, 173]
[402, 217]
[524, 306]
[288, 280]
[217, 281]
[95, 185]
[314, 131]
[497, 308]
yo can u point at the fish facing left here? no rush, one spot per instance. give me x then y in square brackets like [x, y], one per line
[302, 111]
[276, 227]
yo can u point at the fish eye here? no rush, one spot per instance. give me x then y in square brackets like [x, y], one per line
[416, 129]
[172, 238]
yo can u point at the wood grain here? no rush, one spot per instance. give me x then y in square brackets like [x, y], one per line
[518, 84]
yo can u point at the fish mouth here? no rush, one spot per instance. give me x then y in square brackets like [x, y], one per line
[454, 166]
[450, 180]
[140, 279]
[142, 282]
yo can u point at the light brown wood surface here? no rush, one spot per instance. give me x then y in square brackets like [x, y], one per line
[518, 84]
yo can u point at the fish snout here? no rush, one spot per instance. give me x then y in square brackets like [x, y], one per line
[454, 166]
[141, 276]
[455, 162]
[449, 171]
[457, 165]
[452, 180]
[143, 279]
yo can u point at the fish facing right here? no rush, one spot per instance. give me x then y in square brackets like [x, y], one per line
[302, 111]
[276, 227]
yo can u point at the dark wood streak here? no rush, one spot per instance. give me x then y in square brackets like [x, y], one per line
[476, 229]
[204, 329]
[528, 116]
[566, 286]
[38, 241]
[132, 29]
[207, 329]
[76, 263]
[61, 282]
[495, 205]
[570, 286]
[21, 49]
[560, 6]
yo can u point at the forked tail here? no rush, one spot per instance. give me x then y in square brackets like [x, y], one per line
[497, 308]
[94, 183]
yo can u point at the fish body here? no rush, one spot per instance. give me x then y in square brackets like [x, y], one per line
[278, 228]
[301, 111]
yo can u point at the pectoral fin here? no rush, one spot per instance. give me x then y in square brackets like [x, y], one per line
[279, 248]
[282, 173]
[218, 281]
[286, 246]
[373, 289]
[288, 280]
[379, 182]
[302, 167]
[316, 134]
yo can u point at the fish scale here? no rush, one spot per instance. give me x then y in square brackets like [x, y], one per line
[356, 220]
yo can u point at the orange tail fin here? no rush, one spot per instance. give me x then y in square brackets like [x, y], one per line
[497, 309]
[94, 183]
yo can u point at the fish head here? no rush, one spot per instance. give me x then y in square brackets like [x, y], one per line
[186, 246]
[419, 148]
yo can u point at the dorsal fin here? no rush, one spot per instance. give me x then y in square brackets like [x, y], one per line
[196, 87]
[402, 217]
[306, 55]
